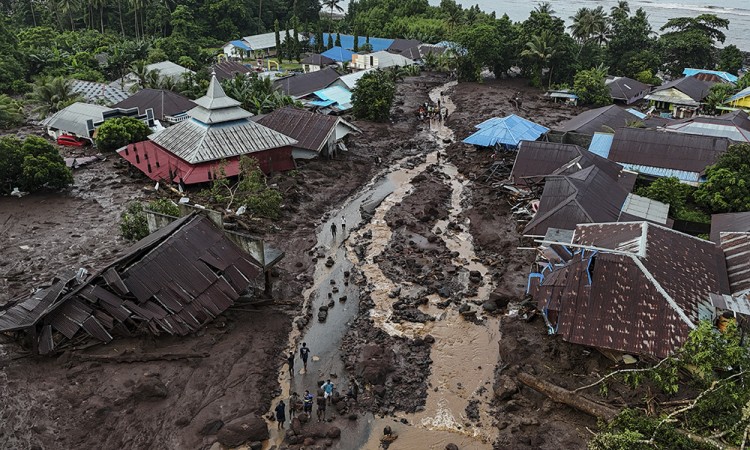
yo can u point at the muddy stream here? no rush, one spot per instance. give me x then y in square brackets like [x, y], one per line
[464, 354]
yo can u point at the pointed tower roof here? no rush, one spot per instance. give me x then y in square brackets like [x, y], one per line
[216, 106]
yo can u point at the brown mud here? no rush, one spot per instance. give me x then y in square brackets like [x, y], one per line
[448, 241]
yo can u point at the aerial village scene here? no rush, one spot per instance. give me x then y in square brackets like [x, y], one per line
[374, 224]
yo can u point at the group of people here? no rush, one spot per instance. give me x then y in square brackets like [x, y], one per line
[333, 227]
[432, 111]
[305, 403]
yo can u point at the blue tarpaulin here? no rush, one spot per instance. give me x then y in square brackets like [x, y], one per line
[334, 95]
[601, 144]
[347, 41]
[723, 75]
[508, 131]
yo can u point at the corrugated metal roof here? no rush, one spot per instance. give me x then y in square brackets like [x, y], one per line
[241, 45]
[337, 95]
[227, 69]
[303, 84]
[386, 59]
[627, 89]
[645, 208]
[318, 60]
[683, 152]
[636, 113]
[684, 176]
[641, 297]
[690, 86]
[176, 279]
[729, 303]
[399, 45]
[339, 54]
[601, 143]
[98, 92]
[347, 41]
[73, 118]
[510, 131]
[740, 95]
[739, 222]
[311, 130]
[169, 69]
[268, 40]
[734, 125]
[726, 76]
[736, 247]
[589, 195]
[593, 120]
[161, 101]
[539, 158]
[350, 80]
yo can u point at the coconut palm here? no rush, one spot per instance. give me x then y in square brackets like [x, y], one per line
[67, 7]
[621, 11]
[50, 96]
[590, 24]
[540, 50]
[331, 5]
[544, 8]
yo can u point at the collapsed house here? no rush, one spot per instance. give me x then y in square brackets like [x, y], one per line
[172, 282]
[506, 132]
[634, 288]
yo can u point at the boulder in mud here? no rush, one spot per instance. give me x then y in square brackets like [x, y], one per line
[374, 365]
[250, 428]
[211, 427]
[150, 389]
[451, 446]
[489, 306]
[505, 388]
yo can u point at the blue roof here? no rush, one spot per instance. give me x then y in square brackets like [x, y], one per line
[338, 54]
[240, 44]
[506, 131]
[742, 94]
[347, 41]
[636, 113]
[725, 75]
[334, 94]
[601, 143]
[682, 175]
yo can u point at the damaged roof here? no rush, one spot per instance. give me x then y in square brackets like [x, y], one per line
[626, 89]
[650, 148]
[736, 247]
[606, 118]
[310, 129]
[638, 288]
[734, 125]
[306, 83]
[589, 195]
[692, 87]
[173, 281]
[536, 159]
[162, 101]
[729, 222]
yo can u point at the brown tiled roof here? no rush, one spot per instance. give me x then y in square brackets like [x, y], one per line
[311, 130]
[639, 288]
[306, 83]
[688, 152]
[729, 222]
[536, 159]
[226, 70]
[163, 102]
[589, 195]
[173, 281]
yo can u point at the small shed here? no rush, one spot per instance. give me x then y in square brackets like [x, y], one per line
[334, 99]
[506, 132]
[73, 120]
[626, 90]
[315, 62]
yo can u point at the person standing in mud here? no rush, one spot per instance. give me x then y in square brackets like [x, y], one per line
[327, 390]
[307, 403]
[333, 230]
[343, 225]
[304, 352]
[353, 390]
[321, 401]
[281, 414]
[293, 404]
[290, 361]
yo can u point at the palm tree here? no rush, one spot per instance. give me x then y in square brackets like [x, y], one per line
[540, 50]
[621, 11]
[67, 7]
[544, 8]
[140, 70]
[590, 24]
[332, 4]
[50, 96]
[100, 4]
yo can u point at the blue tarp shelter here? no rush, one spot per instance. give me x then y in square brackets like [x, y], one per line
[338, 54]
[726, 76]
[241, 45]
[506, 131]
[347, 42]
[335, 96]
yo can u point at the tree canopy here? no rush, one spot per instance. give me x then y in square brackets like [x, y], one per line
[31, 165]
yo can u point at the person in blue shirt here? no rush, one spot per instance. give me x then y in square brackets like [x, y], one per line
[327, 389]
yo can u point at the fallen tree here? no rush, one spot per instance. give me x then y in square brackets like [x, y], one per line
[567, 397]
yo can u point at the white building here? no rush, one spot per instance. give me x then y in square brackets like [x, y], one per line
[380, 60]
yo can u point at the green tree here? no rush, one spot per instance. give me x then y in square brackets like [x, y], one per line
[277, 34]
[668, 190]
[539, 51]
[355, 46]
[727, 185]
[119, 132]
[31, 165]
[590, 24]
[332, 5]
[10, 59]
[330, 41]
[372, 97]
[690, 42]
[337, 43]
[590, 88]
[490, 44]
[717, 95]
[11, 112]
[730, 59]
[632, 46]
[133, 222]
[50, 96]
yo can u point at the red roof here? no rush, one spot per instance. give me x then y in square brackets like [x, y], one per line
[161, 165]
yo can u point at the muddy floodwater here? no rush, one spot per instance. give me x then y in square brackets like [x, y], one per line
[464, 353]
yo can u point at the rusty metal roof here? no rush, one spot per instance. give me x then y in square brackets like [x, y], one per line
[306, 83]
[636, 287]
[686, 152]
[311, 130]
[173, 281]
[535, 159]
[729, 222]
[589, 195]
[227, 69]
[598, 119]
[736, 247]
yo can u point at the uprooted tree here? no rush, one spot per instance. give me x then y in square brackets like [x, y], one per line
[133, 223]
[250, 190]
[714, 368]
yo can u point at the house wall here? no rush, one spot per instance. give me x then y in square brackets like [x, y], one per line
[311, 68]
[342, 131]
[232, 51]
[303, 153]
[275, 160]
[742, 103]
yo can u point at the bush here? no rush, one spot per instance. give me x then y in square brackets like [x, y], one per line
[119, 132]
[11, 112]
[590, 88]
[727, 186]
[133, 222]
[373, 96]
[31, 165]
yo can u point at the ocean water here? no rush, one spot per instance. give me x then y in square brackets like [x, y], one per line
[659, 11]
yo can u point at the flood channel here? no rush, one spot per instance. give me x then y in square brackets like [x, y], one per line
[464, 354]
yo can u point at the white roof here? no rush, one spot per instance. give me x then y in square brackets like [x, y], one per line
[268, 40]
[387, 59]
[646, 208]
[98, 92]
[73, 118]
[169, 69]
[350, 80]
[216, 106]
